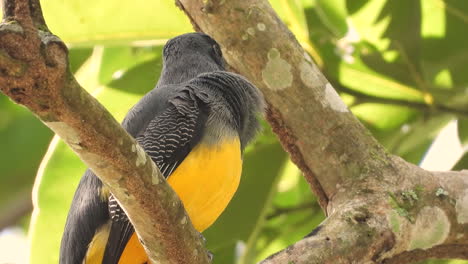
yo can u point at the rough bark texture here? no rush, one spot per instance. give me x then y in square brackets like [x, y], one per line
[380, 208]
[34, 72]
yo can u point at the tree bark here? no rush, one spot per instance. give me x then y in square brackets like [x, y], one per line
[380, 208]
[34, 72]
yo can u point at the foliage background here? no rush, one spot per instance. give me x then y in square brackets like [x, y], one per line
[398, 64]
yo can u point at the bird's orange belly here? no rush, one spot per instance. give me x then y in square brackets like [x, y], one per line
[205, 182]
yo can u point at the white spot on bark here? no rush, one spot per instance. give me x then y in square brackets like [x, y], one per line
[141, 156]
[251, 31]
[308, 77]
[261, 26]
[277, 72]
[461, 207]
[431, 228]
[120, 141]
[184, 220]
[441, 192]
[67, 133]
[133, 148]
[334, 100]
[307, 57]
[245, 37]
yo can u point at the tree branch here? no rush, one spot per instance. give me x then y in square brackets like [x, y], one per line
[380, 207]
[34, 72]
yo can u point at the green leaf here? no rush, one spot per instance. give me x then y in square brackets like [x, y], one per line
[418, 136]
[333, 14]
[117, 60]
[462, 163]
[361, 77]
[61, 169]
[383, 117]
[443, 261]
[294, 214]
[444, 27]
[366, 21]
[78, 56]
[55, 185]
[104, 21]
[462, 124]
[23, 140]
[140, 78]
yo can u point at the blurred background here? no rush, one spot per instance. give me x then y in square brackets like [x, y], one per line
[399, 65]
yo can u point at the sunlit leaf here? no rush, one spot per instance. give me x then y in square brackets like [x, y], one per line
[116, 61]
[462, 124]
[383, 117]
[359, 77]
[418, 136]
[23, 140]
[294, 214]
[333, 13]
[105, 21]
[462, 163]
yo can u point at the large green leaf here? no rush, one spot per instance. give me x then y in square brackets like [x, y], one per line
[383, 117]
[443, 261]
[444, 28]
[333, 14]
[61, 169]
[462, 163]
[23, 140]
[462, 124]
[53, 190]
[293, 215]
[362, 78]
[416, 138]
[106, 21]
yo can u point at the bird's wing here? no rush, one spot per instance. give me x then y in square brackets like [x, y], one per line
[88, 213]
[167, 139]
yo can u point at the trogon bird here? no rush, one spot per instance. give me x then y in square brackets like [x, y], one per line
[194, 125]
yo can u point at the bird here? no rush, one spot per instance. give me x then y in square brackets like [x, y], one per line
[195, 125]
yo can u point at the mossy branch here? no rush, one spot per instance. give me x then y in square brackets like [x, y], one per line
[377, 204]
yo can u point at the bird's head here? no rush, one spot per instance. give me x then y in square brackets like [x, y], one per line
[194, 46]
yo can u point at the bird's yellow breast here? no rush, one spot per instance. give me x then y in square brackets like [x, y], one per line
[207, 179]
[205, 182]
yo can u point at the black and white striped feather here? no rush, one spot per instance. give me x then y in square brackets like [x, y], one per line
[167, 139]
